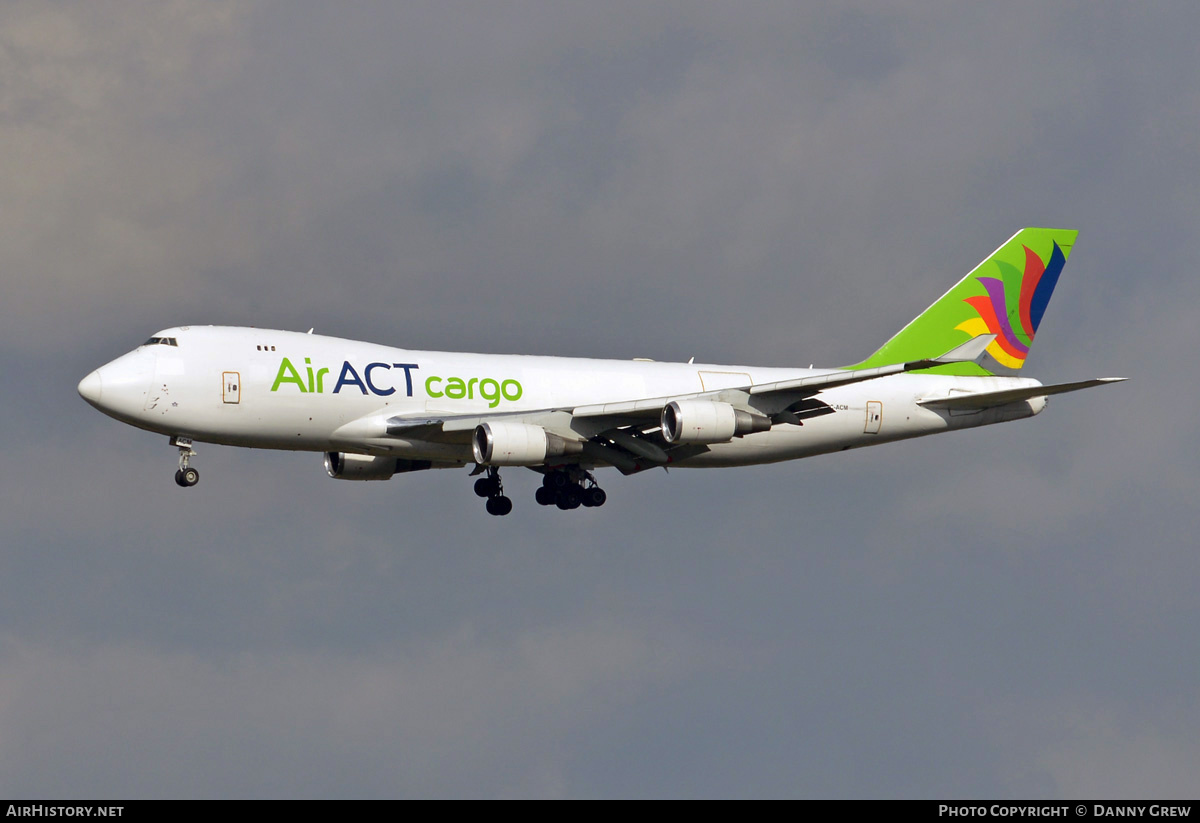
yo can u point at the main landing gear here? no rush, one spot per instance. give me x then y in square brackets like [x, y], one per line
[568, 488]
[491, 488]
[186, 476]
[565, 488]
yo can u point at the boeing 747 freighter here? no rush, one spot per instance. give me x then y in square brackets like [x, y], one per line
[376, 411]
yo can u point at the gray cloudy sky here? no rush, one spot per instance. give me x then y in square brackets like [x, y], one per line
[1008, 612]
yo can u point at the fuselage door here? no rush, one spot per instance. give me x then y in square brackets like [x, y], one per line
[232, 391]
[874, 417]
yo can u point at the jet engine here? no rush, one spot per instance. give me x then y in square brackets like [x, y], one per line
[344, 466]
[499, 443]
[704, 421]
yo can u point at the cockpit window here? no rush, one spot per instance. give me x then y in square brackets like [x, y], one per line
[161, 341]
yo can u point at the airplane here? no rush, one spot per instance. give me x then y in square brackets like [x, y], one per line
[376, 411]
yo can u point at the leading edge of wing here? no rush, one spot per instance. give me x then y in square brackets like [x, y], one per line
[800, 386]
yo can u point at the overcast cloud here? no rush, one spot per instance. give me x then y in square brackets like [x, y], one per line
[1008, 612]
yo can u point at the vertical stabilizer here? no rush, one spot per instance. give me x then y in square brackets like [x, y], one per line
[1006, 295]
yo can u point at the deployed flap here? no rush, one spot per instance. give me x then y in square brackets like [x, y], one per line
[986, 400]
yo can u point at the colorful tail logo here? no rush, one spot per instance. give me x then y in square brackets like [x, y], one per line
[1005, 295]
[1034, 287]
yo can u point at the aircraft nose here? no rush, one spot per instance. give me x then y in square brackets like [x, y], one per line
[90, 388]
[119, 388]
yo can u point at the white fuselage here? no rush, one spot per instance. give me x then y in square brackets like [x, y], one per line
[286, 390]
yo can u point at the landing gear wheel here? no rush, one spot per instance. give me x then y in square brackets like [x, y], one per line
[594, 497]
[569, 498]
[186, 476]
[499, 505]
[492, 488]
[544, 496]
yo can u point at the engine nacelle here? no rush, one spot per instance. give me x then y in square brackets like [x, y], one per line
[704, 421]
[344, 466]
[498, 443]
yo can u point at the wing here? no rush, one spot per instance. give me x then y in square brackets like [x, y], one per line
[772, 398]
[628, 434]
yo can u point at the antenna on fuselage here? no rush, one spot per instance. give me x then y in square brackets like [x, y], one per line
[310, 331]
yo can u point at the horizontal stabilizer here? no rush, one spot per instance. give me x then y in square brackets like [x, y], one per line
[986, 400]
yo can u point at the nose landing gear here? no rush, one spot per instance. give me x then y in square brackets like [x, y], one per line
[493, 489]
[186, 476]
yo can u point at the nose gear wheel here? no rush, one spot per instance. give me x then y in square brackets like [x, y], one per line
[186, 476]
